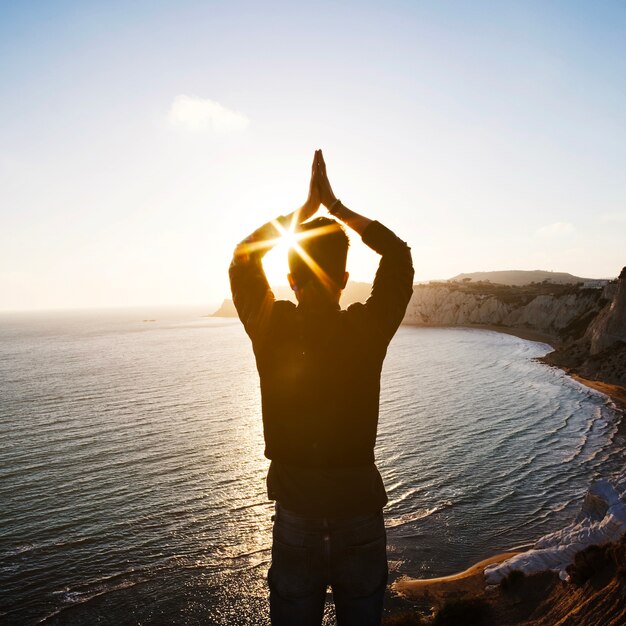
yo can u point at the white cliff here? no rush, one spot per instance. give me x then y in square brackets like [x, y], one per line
[602, 520]
[454, 304]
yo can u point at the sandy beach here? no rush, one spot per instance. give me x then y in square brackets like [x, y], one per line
[615, 392]
[470, 582]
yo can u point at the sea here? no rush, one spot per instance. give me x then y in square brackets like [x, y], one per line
[132, 475]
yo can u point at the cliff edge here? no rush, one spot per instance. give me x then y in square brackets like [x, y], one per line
[609, 327]
[600, 354]
[560, 311]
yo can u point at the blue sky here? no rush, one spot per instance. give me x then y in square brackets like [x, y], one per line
[140, 141]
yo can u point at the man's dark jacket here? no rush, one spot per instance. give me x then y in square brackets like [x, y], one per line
[320, 379]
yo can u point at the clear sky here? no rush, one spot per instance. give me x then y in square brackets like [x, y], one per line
[139, 141]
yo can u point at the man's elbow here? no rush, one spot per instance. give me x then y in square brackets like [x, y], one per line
[409, 274]
[407, 262]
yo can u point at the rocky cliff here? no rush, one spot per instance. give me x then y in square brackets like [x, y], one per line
[556, 310]
[600, 354]
[609, 327]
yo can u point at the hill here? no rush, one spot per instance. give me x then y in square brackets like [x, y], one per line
[521, 277]
[354, 292]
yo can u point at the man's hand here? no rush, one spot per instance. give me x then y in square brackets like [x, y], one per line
[312, 204]
[327, 198]
[326, 195]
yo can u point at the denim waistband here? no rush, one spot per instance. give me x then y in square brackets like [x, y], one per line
[305, 521]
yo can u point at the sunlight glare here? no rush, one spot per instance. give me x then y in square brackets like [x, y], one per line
[275, 261]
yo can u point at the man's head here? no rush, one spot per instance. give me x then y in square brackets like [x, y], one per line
[319, 259]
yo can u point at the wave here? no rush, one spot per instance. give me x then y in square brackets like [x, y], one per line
[71, 599]
[414, 516]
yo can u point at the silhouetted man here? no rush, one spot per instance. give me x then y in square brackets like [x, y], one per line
[320, 368]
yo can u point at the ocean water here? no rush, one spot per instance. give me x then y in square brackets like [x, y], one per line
[132, 476]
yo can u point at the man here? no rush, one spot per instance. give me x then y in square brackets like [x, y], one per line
[319, 368]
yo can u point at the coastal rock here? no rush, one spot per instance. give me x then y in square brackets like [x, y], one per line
[610, 325]
[600, 353]
[227, 309]
[542, 308]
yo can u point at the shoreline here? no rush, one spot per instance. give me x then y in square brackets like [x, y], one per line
[615, 392]
[522, 333]
[472, 581]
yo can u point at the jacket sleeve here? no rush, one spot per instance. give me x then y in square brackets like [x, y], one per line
[393, 284]
[252, 295]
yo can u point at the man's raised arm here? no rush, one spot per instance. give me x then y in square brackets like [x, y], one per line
[393, 284]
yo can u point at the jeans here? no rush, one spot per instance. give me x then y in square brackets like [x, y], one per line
[308, 554]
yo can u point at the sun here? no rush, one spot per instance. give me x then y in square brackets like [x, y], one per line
[275, 261]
